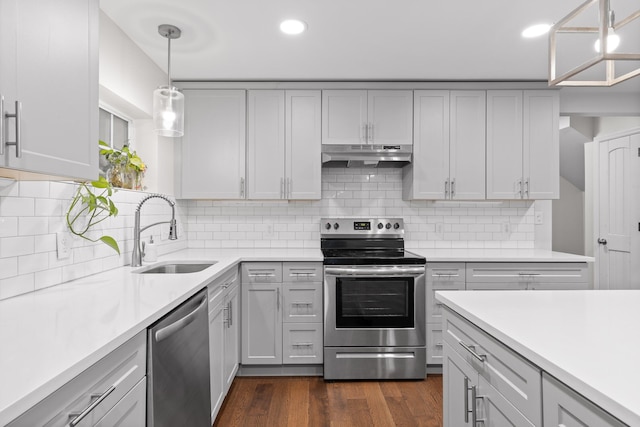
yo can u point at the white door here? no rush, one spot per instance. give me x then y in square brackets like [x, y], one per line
[303, 141]
[216, 354]
[261, 324]
[618, 213]
[52, 67]
[541, 157]
[265, 144]
[390, 117]
[431, 144]
[213, 146]
[467, 145]
[344, 116]
[231, 337]
[504, 144]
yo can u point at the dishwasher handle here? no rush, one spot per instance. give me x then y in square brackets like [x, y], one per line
[182, 323]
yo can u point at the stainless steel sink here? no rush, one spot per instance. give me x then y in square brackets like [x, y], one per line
[176, 267]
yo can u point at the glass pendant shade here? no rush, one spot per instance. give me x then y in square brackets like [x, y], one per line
[168, 111]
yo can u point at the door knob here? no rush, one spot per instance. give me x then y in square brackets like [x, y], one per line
[602, 241]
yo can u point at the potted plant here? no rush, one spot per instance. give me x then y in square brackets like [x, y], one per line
[126, 167]
[90, 206]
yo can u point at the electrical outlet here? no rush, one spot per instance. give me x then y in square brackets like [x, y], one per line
[63, 244]
[439, 228]
[506, 227]
[269, 233]
[538, 218]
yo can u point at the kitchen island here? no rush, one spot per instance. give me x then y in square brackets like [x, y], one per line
[523, 345]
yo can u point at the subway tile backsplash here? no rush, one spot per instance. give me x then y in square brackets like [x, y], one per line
[32, 212]
[366, 192]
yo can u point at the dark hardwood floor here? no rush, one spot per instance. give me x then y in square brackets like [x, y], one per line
[310, 401]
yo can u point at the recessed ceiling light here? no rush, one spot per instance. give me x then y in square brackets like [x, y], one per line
[292, 26]
[536, 30]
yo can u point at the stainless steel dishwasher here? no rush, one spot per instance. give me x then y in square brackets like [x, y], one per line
[178, 367]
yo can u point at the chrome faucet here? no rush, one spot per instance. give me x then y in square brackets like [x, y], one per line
[138, 249]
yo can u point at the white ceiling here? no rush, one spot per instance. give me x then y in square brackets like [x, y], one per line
[346, 39]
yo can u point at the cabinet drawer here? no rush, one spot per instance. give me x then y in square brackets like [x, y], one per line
[222, 283]
[564, 407]
[261, 272]
[297, 272]
[446, 272]
[302, 343]
[302, 302]
[515, 378]
[112, 377]
[526, 272]
[130, 411]
[434, 344]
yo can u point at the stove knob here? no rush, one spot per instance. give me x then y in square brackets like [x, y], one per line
[396, 226]
[336, 226]
[388, 225]
[380, 226]
[327, 226]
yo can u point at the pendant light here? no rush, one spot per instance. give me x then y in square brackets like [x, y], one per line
[168, 101]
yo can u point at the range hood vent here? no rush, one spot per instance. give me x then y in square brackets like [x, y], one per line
[366, 155]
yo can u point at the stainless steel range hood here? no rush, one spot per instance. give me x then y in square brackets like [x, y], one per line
[366, 155]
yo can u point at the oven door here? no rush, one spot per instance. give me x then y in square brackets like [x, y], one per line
[374, 306]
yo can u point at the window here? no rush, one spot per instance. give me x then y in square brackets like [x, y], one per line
[114, 130]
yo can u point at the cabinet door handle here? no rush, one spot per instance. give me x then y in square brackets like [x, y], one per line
[446, 189]
[370, 133]
[474, 411]
[77, 417]
[230, 314]
[242, 188]
[519, 185]
[466, 400]
[18, 116]
[289, 181]
[602, 241]
[278, 299]
[480, 357]
[363, 133]
[453, 187]
[526, 187]
[1, 125]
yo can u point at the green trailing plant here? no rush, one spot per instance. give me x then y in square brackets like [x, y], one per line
[90, 206]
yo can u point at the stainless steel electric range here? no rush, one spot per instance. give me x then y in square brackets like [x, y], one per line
[374, 298]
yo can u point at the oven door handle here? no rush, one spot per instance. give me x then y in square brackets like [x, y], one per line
[374, 271]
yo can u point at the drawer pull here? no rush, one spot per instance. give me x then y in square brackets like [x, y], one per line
[262, 275]
[303, 344]
[469, 348]
[529, 274]
[77, 417]
[438, 344]
[445, 275]
[301, 273]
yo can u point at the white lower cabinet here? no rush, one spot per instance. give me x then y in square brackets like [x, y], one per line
[485, 276]
[563, 407]
[112, 389]
[282, 313]
[223, 336]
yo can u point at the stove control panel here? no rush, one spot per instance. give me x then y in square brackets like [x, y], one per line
[392, 227]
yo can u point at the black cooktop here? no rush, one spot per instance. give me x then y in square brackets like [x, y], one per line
[368, 252]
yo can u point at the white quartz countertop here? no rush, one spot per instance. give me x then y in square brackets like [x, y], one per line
[498, 255]
[586, 339]
[50, 336]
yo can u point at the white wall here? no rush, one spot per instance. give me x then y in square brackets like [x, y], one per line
[568, 220]
[128, 78]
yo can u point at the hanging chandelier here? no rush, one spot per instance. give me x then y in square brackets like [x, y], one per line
[168, 101]
[609, 66]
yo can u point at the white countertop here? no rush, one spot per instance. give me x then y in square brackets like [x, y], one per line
[50, 336]
[586, 339]
[498, 255]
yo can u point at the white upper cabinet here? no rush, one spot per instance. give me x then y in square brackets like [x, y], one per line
[265, 144]
[212, 151]
[284, 144]
[522, 144]
[303, 168]
[355, 117]
[49, 66]
[449, 146]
